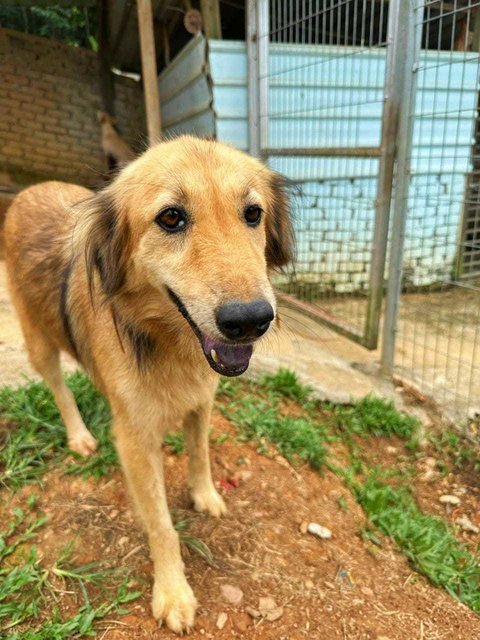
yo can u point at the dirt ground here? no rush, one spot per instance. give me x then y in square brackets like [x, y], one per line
[345, 587]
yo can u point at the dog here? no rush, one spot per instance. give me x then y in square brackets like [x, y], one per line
[157, 284]
[117, 151]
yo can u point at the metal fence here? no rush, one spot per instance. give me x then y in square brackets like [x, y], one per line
[371, 108]
[436, 218]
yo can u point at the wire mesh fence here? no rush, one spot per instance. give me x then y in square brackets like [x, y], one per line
[336, 74]
[438, 346]
[326, 91]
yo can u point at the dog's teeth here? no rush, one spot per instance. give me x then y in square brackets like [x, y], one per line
[214, 355]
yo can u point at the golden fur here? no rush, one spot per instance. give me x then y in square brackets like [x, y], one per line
[88, 274]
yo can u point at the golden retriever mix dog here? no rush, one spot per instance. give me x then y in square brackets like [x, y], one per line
[156, 285]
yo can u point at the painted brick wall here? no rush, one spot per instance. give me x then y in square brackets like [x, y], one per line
[49, 98]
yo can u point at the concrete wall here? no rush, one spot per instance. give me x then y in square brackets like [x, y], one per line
[49, 96]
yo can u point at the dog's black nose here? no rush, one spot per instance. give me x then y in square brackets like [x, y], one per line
[240, 321]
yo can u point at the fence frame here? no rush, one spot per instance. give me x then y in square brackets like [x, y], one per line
[258, 87]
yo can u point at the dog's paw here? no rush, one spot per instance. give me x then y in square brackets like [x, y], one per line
[175, 605]
[83, 443]
[209, 501]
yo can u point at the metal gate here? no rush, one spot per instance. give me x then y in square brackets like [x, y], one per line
[325, 81]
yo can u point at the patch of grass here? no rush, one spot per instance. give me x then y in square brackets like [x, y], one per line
[26, 587]
[377, 417]
[285, 383]
[457, 449]
[427, 541]
[259, 419]
[175, 442]
[182, 525]
[36, 437]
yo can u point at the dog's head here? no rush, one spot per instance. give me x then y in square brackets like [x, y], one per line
[200, 224]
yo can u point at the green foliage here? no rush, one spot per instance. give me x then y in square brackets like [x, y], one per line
[36, 438]
[26, 586]
[77, 26]
[175, 442]
[285, 383]
[377, 417]
[427, 541]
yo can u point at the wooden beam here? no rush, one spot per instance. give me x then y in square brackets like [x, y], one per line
[212, 25]
[107, 85]
[149, 70]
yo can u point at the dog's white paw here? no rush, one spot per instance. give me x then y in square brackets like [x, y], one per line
[174, 604]
[209, 501]
[83, 443]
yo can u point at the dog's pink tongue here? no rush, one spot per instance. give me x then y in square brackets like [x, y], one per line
[230, 356]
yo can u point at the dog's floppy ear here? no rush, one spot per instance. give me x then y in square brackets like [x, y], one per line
[279, 228]
[106, 243]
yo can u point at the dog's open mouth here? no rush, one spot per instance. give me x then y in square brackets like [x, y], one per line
[226, 359]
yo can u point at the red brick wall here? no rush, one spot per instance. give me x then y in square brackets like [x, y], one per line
[49, 97]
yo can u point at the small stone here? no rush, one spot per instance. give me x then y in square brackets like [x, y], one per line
[255, 613]
[391, 449]
[367, 592]
[304, 527]
[222, 620]
[309, 584]
[448, 499]
[467, 525]
[122, 541]
[269, 610]
[319, 531]
[232, 594]
[113, 514]
[430, 462]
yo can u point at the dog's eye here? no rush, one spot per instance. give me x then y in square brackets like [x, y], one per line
[252, 215]
[171, 219]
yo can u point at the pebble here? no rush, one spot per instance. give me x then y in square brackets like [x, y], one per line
[467, 525]
[448, 499]
[241, 621]
[232, 594]
[269, 610]
[304, 527]
[367, 592]
[222, 620]
[319, 531]
[391, 449]
[430, 462]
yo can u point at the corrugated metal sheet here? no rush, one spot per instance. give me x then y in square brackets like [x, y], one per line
[185, 92]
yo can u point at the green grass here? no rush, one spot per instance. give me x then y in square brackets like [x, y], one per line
[375, 416]
[26, 587]
[35, 440]
[427, 541]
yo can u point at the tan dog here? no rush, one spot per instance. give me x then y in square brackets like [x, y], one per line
[118, 153]
[156, 285]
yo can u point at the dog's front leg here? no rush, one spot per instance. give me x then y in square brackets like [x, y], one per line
[173, 600]
[202, 490]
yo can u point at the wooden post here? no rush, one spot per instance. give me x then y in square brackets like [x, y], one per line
[211, 19]
[107, 86]
[149, 70]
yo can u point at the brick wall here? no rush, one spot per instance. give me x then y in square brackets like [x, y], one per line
[49, 98]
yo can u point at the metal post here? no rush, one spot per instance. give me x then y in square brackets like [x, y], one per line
[395, 71]
[257, 53]
[411, 53]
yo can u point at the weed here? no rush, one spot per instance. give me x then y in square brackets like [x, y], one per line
[175, 442]
[427, 541]
[26, 589]
[377, 417]
[285, 383]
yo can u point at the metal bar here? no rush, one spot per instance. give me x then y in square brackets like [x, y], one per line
[253, 81]
[397, 39]
[149, 70]
[337, 152]
[319, 315]
[263, 23]
[405, 133]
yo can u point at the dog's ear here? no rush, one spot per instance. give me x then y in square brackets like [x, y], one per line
[106, 243]
[279, 228]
